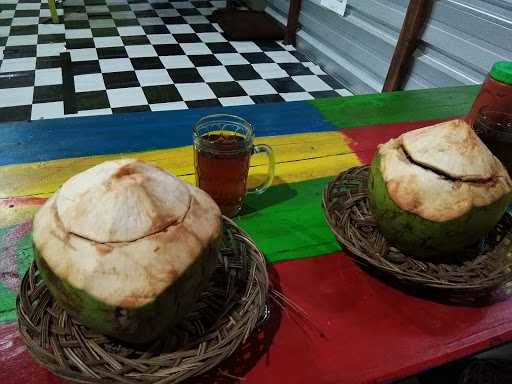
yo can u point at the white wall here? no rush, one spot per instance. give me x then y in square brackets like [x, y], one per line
[462, 40]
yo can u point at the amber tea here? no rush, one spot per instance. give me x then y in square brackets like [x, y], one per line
[223, 145]
[223, 172]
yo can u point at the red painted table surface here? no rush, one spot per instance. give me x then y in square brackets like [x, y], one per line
[360, 330]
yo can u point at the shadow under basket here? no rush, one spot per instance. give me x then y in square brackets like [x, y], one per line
[228, 311]
[472, 277]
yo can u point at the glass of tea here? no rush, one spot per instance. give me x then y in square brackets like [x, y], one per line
[223, 145]
[495, 129]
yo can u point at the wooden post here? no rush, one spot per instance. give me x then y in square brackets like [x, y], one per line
[292, 24]
[418, 12]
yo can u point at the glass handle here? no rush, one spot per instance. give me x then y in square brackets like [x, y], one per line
[262, 148]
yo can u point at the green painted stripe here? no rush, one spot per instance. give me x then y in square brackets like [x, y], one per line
[24, 257]
[7, 304]
[390, 107]
[287, 221]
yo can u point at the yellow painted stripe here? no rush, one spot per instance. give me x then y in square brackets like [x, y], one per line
[16, 214]
[298, 157]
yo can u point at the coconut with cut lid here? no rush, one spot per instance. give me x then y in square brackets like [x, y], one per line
[437, 190]
[126, 248]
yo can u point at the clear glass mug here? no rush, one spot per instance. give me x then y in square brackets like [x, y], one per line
[223, 146]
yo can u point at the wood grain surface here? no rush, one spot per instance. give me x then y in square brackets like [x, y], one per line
[360, 329]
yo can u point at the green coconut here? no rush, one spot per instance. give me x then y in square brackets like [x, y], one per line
[126, 248]
[437, 190]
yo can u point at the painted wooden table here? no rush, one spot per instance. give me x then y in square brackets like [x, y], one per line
[358, 330]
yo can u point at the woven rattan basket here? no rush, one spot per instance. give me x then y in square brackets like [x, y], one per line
[221, 321]
[471, 276]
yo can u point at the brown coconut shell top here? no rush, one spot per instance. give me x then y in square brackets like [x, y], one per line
[442, 171]
[124, 230]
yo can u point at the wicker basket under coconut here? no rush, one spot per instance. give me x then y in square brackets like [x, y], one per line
[126, 248]
[429, 212]
[437, 190]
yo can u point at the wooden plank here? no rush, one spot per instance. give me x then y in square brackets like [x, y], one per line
[287, 221]
[417, 13]
[343, 301]
[364, 140]
[17, 364]
[359, 330]
[292, 153]
[133, 132]
[400, 106]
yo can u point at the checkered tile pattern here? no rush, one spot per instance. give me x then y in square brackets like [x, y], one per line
[30, 70]
[139, 55]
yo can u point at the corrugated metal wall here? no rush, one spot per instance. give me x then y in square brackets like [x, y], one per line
[461, 41]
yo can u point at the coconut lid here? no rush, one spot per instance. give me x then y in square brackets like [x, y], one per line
[441, 172]
[121, 200]
[124, 231]
[451, 148]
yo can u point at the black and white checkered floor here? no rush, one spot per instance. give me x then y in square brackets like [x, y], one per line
[139, 55]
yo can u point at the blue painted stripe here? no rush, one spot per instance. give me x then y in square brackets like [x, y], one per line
[24, 142]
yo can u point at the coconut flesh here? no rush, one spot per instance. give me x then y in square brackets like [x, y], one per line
[126, 248]
[437, 190]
